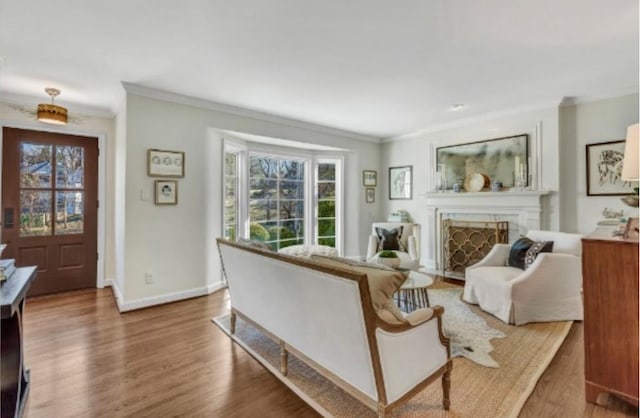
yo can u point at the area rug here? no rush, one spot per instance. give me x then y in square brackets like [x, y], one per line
[469, 335]
[476, 391]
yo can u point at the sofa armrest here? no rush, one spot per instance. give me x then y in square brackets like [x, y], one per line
[372, 248]
[551, 276]
[495, 258]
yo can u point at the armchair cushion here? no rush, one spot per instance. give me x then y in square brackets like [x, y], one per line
[390, 239]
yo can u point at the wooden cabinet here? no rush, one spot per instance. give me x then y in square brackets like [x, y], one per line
[610, 286]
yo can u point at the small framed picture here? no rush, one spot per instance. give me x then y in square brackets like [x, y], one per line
[162, 163]
[604, 169]
[400, 182]
[370, 194]
[166, 192]
[370, 178]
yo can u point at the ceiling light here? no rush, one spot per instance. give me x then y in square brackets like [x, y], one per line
[52, 113]
[456, 107]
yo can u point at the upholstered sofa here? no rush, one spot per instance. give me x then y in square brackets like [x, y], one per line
[335, 315]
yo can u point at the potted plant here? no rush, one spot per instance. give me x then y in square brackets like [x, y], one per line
[389, 258]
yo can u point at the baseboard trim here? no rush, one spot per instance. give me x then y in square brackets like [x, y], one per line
[117, 294]
[161, 299]
[214, 287]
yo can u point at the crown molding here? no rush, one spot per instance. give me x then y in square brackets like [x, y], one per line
[132, 88]
[572, 101]
[550, 104]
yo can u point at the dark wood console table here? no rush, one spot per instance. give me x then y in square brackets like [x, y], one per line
[15, 378]
[610, 284]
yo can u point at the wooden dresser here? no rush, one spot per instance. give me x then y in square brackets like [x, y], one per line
[610, 286]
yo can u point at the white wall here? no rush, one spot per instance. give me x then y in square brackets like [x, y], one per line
[174, 243]
[582, 124]
[418, 150]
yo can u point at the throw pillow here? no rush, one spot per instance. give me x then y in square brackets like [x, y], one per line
[535, 249]
[390, 240]
[382, 283]
[518, 252]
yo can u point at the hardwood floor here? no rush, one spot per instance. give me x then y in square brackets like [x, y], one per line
[88, 360]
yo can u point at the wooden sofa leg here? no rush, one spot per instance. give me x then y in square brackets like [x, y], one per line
[232, 323]
[382, 411]
[446, 386]
[284, 359]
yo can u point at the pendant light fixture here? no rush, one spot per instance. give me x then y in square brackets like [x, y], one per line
[52, 113]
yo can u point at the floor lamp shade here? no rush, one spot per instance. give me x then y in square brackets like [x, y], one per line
[630, 171]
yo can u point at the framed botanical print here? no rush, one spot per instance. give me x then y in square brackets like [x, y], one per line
[400, 181]
[370, 194]
[604, 168]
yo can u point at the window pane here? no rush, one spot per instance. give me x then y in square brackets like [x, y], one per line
[261, 168]
[263, 210]
[331, 242]
[326, 172]
[291, 170]
[326, 190]
[291, 209]
[69, 213]
[291, 229]
[230, 161]
[230, 188]
[326, 208]
[35, 165]
[262, 189]
[259, 232]
[69, 167]
[291, 189]
[326, 227]
[35, 213]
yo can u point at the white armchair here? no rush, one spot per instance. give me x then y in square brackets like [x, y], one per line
[549, 290]
[410, 258]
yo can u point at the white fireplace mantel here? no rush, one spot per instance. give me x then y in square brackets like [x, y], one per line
[523, 210]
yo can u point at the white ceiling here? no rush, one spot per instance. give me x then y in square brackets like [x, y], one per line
[375, 67]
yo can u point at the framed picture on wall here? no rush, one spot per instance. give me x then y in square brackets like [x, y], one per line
[370, 178]
[604, 167]
[166, 192]
[400, 181]
[162, 163]
[370, 194]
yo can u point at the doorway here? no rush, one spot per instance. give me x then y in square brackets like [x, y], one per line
[50, 207]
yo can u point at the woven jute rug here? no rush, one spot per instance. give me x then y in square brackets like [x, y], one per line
[476, 391]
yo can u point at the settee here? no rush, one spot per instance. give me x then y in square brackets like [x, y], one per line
[334, 315]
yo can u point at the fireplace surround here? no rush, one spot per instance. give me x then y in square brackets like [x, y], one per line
[523, 210]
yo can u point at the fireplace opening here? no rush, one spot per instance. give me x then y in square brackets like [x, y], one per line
[464, 243]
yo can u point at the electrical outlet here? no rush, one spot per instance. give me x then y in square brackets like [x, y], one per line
[148, 278]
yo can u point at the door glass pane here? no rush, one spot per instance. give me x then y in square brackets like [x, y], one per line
[69, 213]
[69, 167]
[35, 213]
[35, 165]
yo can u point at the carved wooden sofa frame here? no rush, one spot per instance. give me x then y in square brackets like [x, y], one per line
[252, 272]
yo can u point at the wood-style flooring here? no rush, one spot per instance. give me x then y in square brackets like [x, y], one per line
[88, 360]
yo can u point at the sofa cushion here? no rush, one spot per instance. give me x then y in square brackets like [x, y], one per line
[535, 249]
[518, 252]
[390, 239]
[308, 250]
[383, 283]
